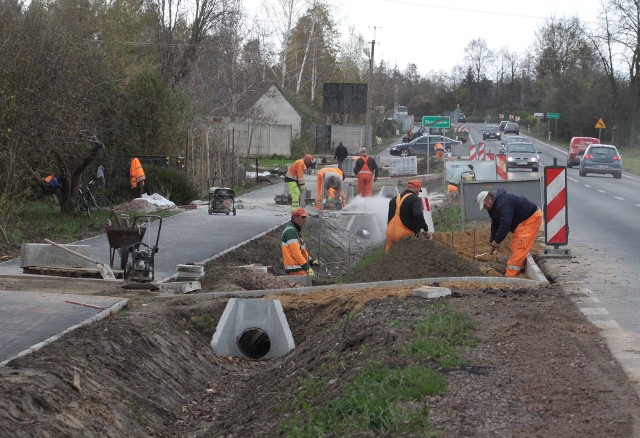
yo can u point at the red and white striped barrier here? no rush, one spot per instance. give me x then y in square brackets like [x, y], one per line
[555, 205]
[481, 151]
[426, 208]
[489, 156]
[472, 152]
[501, 167]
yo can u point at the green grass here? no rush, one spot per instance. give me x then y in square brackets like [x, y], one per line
[440, 337]
[447, 217]
[371, 403]
[375, 400]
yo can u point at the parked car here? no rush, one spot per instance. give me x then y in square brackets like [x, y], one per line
[491, 131]
[511, 128]
[503, 124]
[576, 149]
[522, 156]
[420, 145]
[603, 159]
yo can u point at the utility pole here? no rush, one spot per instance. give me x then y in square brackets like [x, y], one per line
[367, 134]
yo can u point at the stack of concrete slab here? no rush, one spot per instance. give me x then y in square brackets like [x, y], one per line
[348, 165]
[403, 166]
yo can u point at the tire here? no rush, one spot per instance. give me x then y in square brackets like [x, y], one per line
[101, 203]
[209, 210]
[405, 153]
[569, 165]
[617, 175]
[234, 211]
[82, 207]
[582, 172]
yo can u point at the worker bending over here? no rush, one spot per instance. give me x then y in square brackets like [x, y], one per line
[294, 179]
[330, 187]
[405, 217]
[515, 213]
[464, 173]
[294, 251]
[366, 169]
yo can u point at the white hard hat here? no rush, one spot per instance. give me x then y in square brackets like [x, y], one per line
[480, 199]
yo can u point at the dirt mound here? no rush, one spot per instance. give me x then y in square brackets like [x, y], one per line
[418, 258]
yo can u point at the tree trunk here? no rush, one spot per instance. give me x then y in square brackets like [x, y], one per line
[304, 58]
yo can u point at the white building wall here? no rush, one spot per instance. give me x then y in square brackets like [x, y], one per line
[351, 136]
[274, 107]
[266, 139]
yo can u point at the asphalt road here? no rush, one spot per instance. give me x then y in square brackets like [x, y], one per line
[604, 238]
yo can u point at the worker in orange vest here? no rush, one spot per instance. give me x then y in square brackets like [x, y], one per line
[405, 217]
[366, 169]
[136, 176]
[439, 151]
[294, 179]
[330, 187]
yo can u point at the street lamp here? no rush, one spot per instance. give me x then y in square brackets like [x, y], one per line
[367, 134]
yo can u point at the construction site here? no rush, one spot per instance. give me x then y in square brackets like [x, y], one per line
[165, 365]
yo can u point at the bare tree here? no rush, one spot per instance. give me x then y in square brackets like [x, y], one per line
[181, 30]
[283, 14]
[478, 56]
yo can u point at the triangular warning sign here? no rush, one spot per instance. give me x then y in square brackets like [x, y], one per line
[600, 124]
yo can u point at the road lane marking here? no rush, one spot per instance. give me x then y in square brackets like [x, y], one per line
[587, 185]
[619, 198]
[601, 191]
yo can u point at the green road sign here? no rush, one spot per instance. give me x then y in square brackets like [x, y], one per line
[436, 121]
[553, 115]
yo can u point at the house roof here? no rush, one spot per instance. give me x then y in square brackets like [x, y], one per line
[246, 102]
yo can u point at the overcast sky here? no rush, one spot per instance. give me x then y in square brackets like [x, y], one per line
[434, 33]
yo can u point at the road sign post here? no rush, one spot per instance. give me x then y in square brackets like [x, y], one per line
[600, 126]
[554, 116]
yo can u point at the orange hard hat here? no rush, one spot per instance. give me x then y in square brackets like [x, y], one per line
[415, 183]
[308, 158]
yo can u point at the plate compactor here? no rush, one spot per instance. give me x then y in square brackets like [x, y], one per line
[140, 255]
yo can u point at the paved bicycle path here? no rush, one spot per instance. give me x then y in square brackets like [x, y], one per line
[194, 235]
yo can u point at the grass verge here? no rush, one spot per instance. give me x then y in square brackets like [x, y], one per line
[376, 399]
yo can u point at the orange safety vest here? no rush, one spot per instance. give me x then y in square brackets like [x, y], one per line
[320, 178]
[296, 171]
[395, 228]
[136, 173]
[365, 169]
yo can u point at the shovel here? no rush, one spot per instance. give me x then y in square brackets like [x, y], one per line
[105, 271]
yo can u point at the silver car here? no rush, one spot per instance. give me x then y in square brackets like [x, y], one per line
[522, 156]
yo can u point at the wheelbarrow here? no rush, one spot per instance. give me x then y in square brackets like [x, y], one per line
[120, 238]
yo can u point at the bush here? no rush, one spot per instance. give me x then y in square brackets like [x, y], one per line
[166, 182]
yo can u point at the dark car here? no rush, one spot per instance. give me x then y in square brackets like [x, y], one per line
[421, 145]
[522, 155]
[491, 131]
[603, 159]
[419, 131]
[511, 128]
[416, 131]
[503, 124]
[461, 118]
